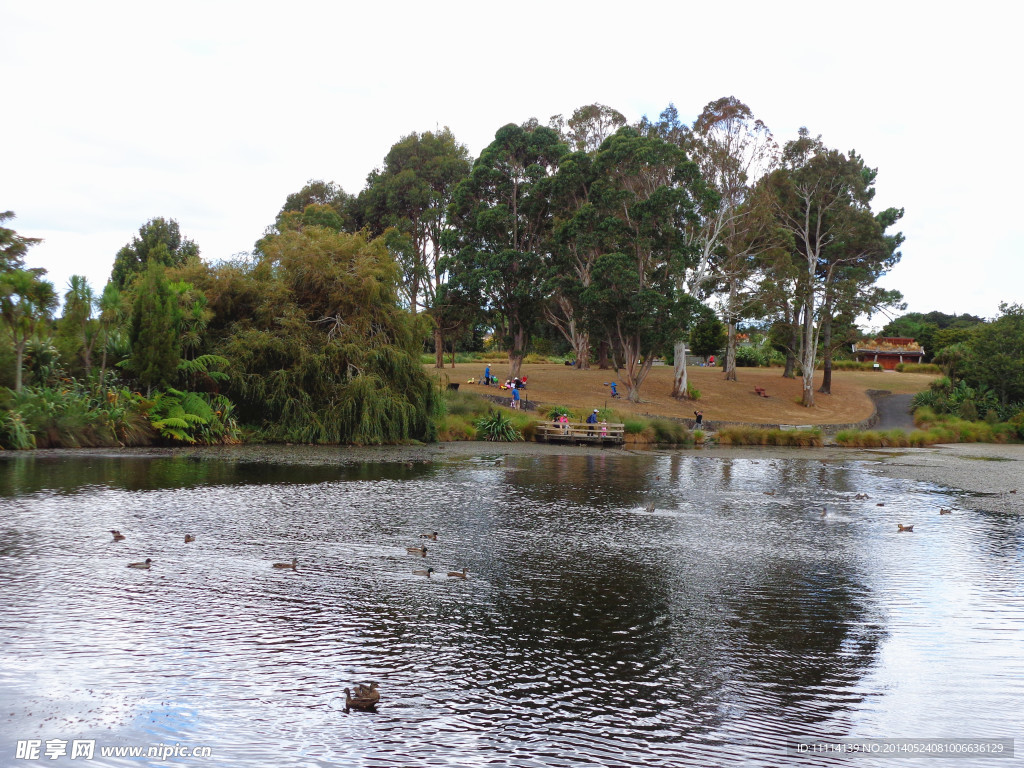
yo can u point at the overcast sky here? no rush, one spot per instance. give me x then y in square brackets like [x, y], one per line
[211, 113]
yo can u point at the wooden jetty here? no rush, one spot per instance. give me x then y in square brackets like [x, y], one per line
[579, 432]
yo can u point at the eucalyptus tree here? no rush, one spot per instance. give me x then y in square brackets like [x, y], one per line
[27, 303]
[412, 193]
[648, 194]
[588, 127]
[576, 243]
[850, 273]
[822, 199]
[503, 213]
[158, 240]
[733, 150]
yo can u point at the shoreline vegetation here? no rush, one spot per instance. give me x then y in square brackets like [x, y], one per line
[761, 409]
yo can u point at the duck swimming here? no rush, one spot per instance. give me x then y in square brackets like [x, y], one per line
[292, 564]
[362, 703]
[945, 511]
[118, 536]
[144, 564]
[458, 574]
[431, 536]
[427, 572]
[905, 528]
[189, 538]
[421, 551]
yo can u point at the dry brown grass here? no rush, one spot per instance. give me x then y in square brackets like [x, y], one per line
[550, 384]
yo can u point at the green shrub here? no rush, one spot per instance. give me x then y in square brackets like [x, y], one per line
[918, 368]
[560, 410]
[634, 426]
[669, 431]
[496, 426]
[968, 411]
[851, 365]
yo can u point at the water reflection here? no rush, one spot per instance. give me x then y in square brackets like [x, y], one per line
[706, 632]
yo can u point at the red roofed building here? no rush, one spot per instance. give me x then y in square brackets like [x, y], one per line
[889, 351]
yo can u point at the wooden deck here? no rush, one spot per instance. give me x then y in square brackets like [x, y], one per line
[579, 432]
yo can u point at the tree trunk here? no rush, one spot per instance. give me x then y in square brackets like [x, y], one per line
[517, 353]
[602, 355]
[679, 374]
[808, 350]
[19, 359]
[438, 348]
[730, 353]
[581, 348]
[826, 349]
[794, 343]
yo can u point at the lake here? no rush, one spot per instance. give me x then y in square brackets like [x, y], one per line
[728, 622]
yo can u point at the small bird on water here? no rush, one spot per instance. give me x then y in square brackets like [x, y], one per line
[189, 538]
[431, 536]
[458, 574]
[427, 572]
[421, 551]
[291, 565]
[118, 536]
[944, 511]
[905, 528]
[365, 700]
[144, 564]
[824, 511]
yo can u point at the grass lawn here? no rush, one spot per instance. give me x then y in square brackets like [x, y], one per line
[550, 384]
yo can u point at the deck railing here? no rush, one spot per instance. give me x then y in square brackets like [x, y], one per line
[580, 432]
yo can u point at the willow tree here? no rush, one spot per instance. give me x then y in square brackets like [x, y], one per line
[320, 350]
[503, 213]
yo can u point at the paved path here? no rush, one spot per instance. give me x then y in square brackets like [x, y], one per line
[894, 412]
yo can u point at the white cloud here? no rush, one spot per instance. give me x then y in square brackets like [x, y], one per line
[212, 113]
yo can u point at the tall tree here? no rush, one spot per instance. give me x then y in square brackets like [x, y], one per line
[822, 199]
[159, 240]
[733, 150]
[156, 346]
[503, 212]
[76, 328]
[412, 193]
[13, 246]
[112, 312]
[648, 194]
[27, 302]
[588, 127]
[576, 243]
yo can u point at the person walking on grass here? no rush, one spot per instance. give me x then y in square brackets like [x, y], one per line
[487, 375]
[515, 399]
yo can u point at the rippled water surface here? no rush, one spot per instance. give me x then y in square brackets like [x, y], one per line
[591, 631]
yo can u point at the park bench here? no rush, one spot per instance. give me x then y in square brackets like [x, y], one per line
[759, 391]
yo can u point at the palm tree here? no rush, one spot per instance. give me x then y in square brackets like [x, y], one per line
[26, 301]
